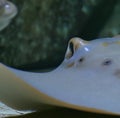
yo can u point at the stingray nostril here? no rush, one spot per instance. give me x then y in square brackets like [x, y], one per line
[81, 59]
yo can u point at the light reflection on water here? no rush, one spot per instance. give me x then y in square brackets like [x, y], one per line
[6, 111]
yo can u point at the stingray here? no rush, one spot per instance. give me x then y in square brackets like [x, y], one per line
[88, 79]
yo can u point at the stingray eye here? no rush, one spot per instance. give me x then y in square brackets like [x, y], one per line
[71, 46]
[107, 62]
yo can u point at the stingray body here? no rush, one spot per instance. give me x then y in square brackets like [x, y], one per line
[7, 11]
[87, 79]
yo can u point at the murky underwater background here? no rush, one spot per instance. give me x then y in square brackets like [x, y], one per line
[37, 36]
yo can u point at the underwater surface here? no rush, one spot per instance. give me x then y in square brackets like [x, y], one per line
[35, 36]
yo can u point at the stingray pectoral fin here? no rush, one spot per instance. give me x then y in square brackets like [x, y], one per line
[20, 95]
[16, 93]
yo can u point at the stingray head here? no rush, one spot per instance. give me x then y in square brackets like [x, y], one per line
[101, 55]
